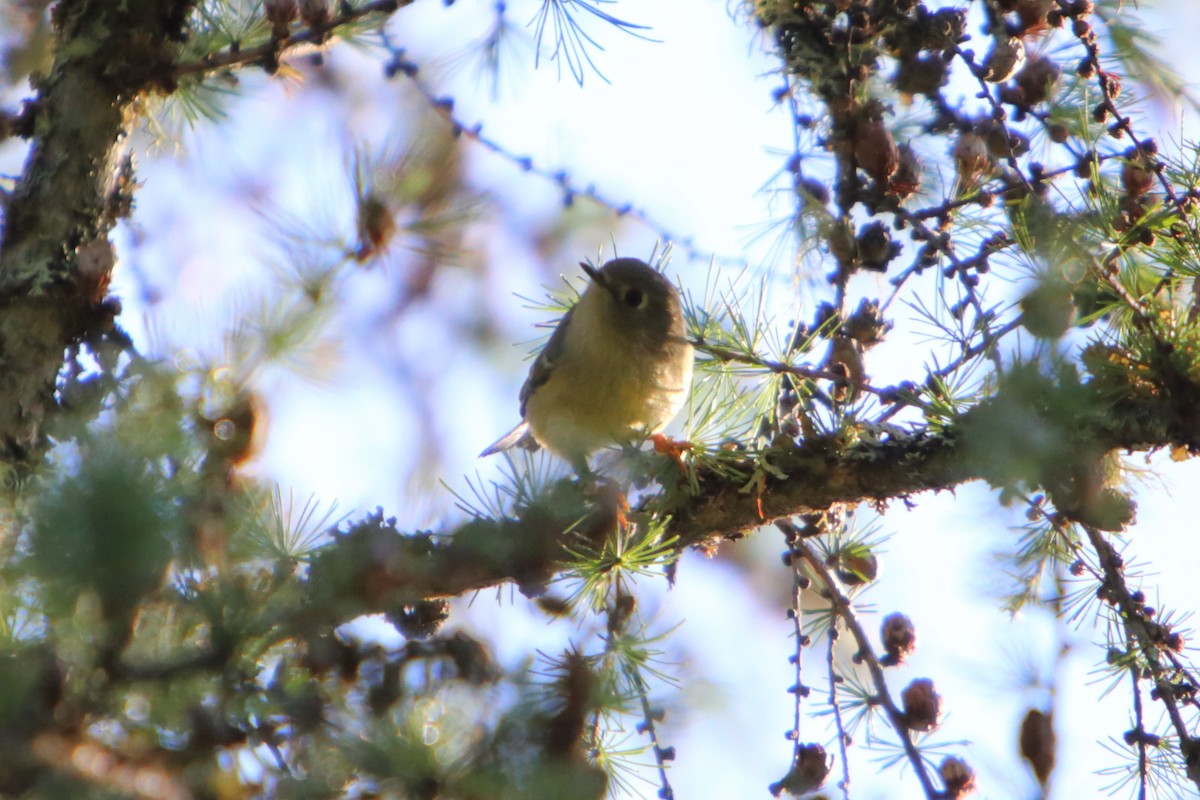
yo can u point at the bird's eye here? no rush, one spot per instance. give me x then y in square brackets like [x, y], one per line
[634, 297]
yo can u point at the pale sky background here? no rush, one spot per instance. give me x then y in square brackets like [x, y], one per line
[686, 131]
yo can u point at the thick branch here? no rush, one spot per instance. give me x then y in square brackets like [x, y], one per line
[993, 442]
[55, 259]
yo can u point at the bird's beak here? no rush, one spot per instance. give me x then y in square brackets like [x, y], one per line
[598, 278]
[593, 273]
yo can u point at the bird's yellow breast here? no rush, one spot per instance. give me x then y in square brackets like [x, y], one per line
[607, 386]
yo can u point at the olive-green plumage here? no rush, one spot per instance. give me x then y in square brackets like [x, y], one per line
[617, 367]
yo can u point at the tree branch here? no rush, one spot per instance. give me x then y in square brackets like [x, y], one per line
[372, 568]
[269, 52]
[55, 259]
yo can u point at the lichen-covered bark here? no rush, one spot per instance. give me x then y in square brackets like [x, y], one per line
[54, 254]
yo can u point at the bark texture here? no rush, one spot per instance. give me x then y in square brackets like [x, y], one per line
[55, 258]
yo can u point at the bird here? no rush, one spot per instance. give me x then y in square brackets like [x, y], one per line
[617, 368]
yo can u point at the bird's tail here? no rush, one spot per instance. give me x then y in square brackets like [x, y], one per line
[517, 437]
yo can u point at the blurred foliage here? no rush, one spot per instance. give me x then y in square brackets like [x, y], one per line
[171, 627]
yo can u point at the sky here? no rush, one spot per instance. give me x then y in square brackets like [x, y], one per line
[685, 128]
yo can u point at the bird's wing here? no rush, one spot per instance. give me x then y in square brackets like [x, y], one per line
[543, 365]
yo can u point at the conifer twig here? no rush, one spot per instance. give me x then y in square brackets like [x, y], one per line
[844, 609]
[1152, 640]
[443, 106]
[270, 51]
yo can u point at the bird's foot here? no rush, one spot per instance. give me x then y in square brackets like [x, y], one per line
[672, 449]
[609, 502]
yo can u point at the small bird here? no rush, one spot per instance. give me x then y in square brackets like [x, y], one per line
[617, 367]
